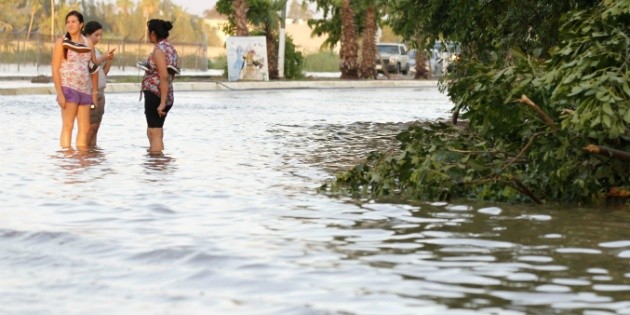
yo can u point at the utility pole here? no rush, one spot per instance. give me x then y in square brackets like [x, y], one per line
[281, 45]
[52, 20]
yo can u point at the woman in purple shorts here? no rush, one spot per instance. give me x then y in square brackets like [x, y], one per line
[73, 72]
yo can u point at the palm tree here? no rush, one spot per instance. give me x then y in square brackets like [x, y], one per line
[149, 7]
[348, 52]
[299, 11]
[240, 8]
[35, 7]
[421, 69]
[124, 6]
[272, 24]
[367, 69]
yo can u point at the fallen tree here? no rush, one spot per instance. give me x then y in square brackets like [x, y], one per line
[570, 142]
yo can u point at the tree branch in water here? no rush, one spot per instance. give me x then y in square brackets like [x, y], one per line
[595, 149]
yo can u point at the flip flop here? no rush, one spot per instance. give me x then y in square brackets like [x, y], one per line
[78, 47]
[92, 67]
[142, 66]
[173, 70]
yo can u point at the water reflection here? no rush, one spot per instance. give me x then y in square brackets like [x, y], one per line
[75, 162]
[159, 162]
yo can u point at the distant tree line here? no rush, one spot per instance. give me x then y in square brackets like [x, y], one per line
[120, 18]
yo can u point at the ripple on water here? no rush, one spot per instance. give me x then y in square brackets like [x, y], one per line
[538, 259]
[458, 208]
[573, 250]
[571, 282]
[490, 210]
[522, 277]
[468, 241]
[615, 244]
[535, 217]
[553, 288]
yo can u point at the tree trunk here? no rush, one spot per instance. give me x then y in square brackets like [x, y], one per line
[52, 20]
[240, 17]
[272, 53]
[30, 23]
[421, 67]
[368, 49]
[348, 53]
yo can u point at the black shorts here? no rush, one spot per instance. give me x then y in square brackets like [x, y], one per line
[151, 103]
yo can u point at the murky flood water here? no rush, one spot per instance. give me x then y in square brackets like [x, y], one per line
[228, 220]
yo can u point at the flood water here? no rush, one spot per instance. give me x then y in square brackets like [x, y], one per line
[228, 220]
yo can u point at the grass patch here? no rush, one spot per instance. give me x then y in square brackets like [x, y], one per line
[325, 61]
[219, 62]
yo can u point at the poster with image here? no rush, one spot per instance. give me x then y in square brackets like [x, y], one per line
[247, 58]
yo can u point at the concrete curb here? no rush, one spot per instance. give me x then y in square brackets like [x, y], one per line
[224, 86]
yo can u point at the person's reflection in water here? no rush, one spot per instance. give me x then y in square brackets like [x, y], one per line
[76, 162]
[81, 158]
[159, 162]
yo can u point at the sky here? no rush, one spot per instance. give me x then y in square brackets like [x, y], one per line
[195, 6]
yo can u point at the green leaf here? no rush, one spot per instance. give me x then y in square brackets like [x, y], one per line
[626, 117]
[607, 109]
[606, 121]
[595, 121]
[576, 90]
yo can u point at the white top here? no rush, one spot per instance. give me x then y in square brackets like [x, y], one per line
[102, 79]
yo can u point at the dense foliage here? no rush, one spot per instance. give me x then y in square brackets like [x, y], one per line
[534, 102]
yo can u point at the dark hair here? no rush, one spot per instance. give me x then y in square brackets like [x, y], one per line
[91, 27]
[80, 17]
[159, 27]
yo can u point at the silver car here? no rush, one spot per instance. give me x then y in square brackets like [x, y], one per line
[393, 56]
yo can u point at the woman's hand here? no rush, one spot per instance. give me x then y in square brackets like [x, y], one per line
[161, 109]
[110, 54]
[95, 97]
[61, 101]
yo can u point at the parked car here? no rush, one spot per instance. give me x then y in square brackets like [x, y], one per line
[393, 56]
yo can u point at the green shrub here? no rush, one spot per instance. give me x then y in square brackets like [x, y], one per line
[293, 61]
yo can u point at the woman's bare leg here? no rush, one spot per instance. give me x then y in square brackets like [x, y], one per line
[93, 133]
[83, 124]
[156, 142]
[68, 115]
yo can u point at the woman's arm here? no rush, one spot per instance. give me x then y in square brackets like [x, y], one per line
[159, 58]
[94, 90]
[57, 57]
[94, 82]
[108, 58]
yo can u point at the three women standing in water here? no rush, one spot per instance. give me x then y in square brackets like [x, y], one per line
[80, 82]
